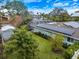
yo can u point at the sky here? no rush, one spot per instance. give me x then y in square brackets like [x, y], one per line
[45, 6]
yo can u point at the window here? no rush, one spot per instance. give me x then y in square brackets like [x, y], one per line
[70, 39]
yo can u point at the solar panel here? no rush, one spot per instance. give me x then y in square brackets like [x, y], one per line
[57, 29]
[72, 24]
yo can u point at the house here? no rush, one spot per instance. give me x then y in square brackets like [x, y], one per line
[7, 31]
[9, 24]
[70, 30]
[10, 17]
[4, 20]
[15, 21]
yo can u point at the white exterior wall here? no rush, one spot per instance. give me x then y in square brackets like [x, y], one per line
[53, 34]
[69, 42]
[7, 34]
[44, 31]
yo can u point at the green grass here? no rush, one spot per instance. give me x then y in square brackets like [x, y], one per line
[45, 48]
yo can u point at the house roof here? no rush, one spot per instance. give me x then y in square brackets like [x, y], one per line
[67, 31]
[72, 24]
[7, 27]
[57, 29]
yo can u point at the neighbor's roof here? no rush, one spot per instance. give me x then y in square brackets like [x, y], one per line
[63, 30]
[69, 29]
[7, 27]
[72, 24]
[69, 32]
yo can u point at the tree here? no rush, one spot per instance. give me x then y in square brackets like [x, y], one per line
[74, 16]
[59, 14]
[71, 50]
[21, 45]
[20, 8]
[57, 43]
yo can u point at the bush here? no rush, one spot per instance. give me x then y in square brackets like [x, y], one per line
[70, 50]
[68, 54]
[57, 44]
[42, 35]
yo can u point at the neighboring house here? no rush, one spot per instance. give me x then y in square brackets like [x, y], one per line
[10, 17]
[8, 12]
[70, 30]
[7, 31]
[9, 24]
[35, 21]
[16, 21]
[4, 20]
[5, 12]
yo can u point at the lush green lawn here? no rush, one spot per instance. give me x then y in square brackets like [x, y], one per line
[45, 48]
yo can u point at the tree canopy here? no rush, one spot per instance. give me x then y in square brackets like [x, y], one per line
[57, 14]
[21, 45]
[71, 50]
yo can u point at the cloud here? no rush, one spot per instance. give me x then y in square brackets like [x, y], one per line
[75, 0]
[48, 1]
[29, 1]
[60, 4]
[35, 11]
[66, 4]
[72, 9]
[46, 11]
[56, 0]
[74, 4]
[46, 7]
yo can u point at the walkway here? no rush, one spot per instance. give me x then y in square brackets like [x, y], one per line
[76, 54]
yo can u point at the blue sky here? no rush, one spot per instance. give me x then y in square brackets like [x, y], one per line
[47, 5]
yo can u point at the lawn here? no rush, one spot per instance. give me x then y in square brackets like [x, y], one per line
[45, 48]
